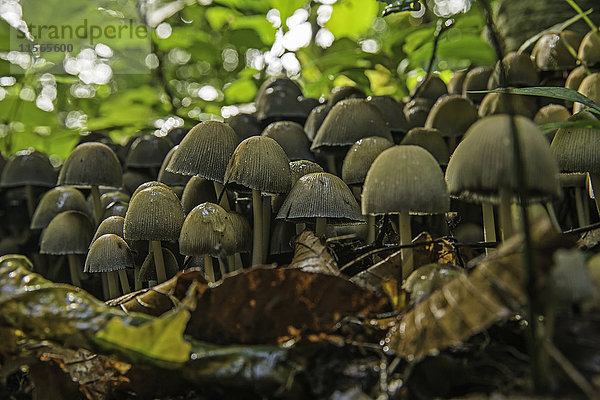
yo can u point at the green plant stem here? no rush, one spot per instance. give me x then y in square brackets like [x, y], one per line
[159, 262]
[97, 205]
[209, 270]
[321, 227]
[266, 226]
[489, 227]
[257, 235]
[583, 15]
[74, 266]
[113, 286]
[125, 289]
[405, 239]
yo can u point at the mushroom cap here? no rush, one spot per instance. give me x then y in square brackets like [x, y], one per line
[108, 253]
[113, 225]
[116, 208]
[205, 151]
[320, 195]
[205, 228]
[241, 231]
[308, 103]
[589, 49]
[259, 163]
[501, 103]
[483, 162]
[577, 149]
[519, 69]
[169, 178]
[133, 179]
[176, 135]
[455, 84]
[431, 88]
[69, 232]
[551, 54]
[148, 151]
[590, 87]
[28, 167]
[302, 167]
[147, 185]
[91, 164]
[279, 103]
[340, 93]
[148, 270]
[244, 125]
[55, 201]
[476, 79]
[197, 191]
[315, 120]
[431, 140]
[550, 114]
[348, 121]
[416, 111]
[391, 111]
[405, 179]
[292, 139]
[452, 115]
[110, 197]
[278, 82]
[359, 158]
[575, 77]
[154, 213]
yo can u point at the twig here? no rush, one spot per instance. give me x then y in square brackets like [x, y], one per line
[571, 371]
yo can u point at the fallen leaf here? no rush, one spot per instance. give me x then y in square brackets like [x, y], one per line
[311, 255]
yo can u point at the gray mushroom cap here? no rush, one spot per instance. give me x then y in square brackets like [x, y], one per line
[169, 178]
[113, 225]
[28, 167]
[431, 140]
[55, 201]
[452, 115]
[148, 269]
[359, 158]
[148, 151]
[91, 164]
[108, 253]
[302, 167]
[292, 139]
[205, 228]
[69, 232]
[577, 149]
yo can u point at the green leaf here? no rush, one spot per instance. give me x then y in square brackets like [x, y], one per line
[560, 93]
[582, 123]
[351, 18]
[240, 91]
[287, 7]
[219, 16]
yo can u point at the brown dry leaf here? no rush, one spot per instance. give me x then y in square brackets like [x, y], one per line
[262, 305]
[398, 296]
[372, 278]
[310, 255]
[470, 304]
[447, 253]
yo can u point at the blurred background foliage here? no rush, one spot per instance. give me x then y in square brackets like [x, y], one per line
[206, 60]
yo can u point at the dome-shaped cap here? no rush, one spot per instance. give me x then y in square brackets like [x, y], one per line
[348, 121]
[551, 113]
[292, 139]
[315, 120]
[197, 191]
[431, 140]
[308, 103]
[452, 115]
[519, 69]
[589, 49]
[340, 93]
[56, 201]
[590, 87]
[148, 270]
[147, 185]
[154, 213]
[577, 149]
[169, 178]
[69, 232]
[108, 253]
[259, 163]
[113, 225]
[551, 54]
[110, 197]
[302, 167]
[241, 231]
[430, 88]
[91, 164]
[359, 158]
[320, 195]
[405, 179]
[206, 228]
[279, 103]
[416, 111]
[133, 179]
[244, 125]
[575, 77]
[28, 167]
[501, 103]
[205, 151]
[278, 82]
[392, 112]
[116, 208]
[455, 84]
[483, 162]
[476, 79]
[148, 151]
[176, 135]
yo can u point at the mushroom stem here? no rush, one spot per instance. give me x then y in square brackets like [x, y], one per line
[30, 200]
[405, 239]
[222, 267]
[209, 270]
[219, 188]
[74, 266]
[113, 286]
[239, 264]
[321, 226]
[124, 281]
[266, 227]
[370, 229]
[137, 282]
[489, 228]
[159, 262]
[595, 181]
[97, 205]
[105, 293]
[300, 228]
[505, 214]
[331, 167]
[257, 235]
[231, 262]
[579, 201]
[552, 215]
[357, 192]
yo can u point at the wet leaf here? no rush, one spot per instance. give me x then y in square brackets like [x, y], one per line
[311, 255]
[373, 278]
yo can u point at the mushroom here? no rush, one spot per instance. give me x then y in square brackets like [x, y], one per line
[206, 229]
[260, 164]
[551, 54]
[133, 179]
[392, 115]
[550, 114]
[405, 180]
[111, 256]
[154, 214]
[92, 165]
[589, 49]
[416, 111]
[431, 140]
[244, 125]
[197, 191]
[315, 120]
[147, 273]
[502, 103]
[55, 201]
[455, 85]
[430, 88]
[589, 87]
[477, 79]
[321, 197]
[69, 233]
[169, 178]
[148, 152]
[340, 93]
[279, 103]
[452, 115]
[204, 152]
[519, 71]
[243, 238]
[292, 139]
